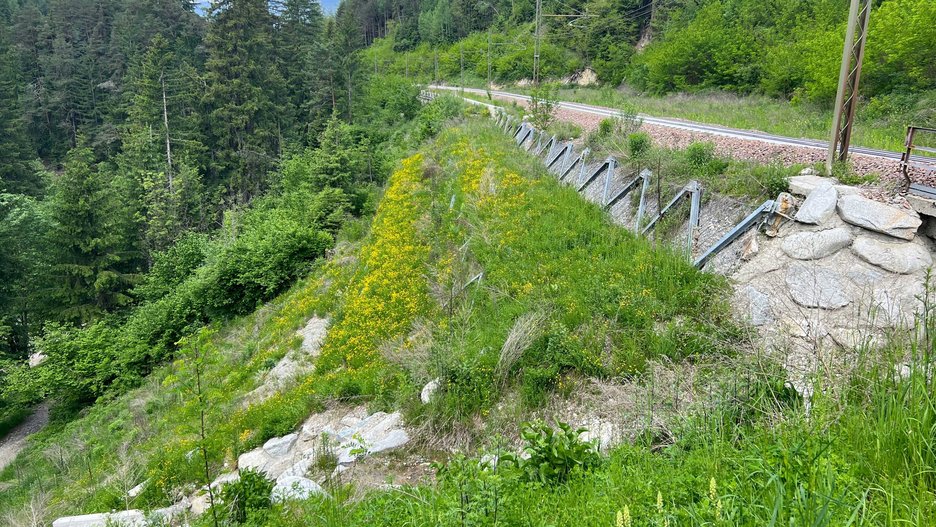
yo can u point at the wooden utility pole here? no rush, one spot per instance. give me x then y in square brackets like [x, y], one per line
[536, 42]
[461, 53]
[846, 98]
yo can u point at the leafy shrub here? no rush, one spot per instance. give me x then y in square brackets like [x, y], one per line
[555, 454]
[699, 160]
[638, 144]
[390, 99]
[258, 264]
[248, 495]
[605, 127]
[543, 105]
[173, 266]
[433, 115]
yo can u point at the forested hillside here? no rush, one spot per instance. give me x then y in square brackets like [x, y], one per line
[160, 170]
[784, 48]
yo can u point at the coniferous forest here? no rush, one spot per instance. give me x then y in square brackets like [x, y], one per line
[164, 168]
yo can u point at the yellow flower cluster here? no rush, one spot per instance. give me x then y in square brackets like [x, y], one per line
[392, 291]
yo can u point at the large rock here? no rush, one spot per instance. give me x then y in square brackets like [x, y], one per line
[131, 518]
[805, 183]
[758, 306]
[224, 479]
[815, 245]
[819, 205]
[279, 446]
[876, 216]
[295, 488]
[900, 257]
[168, 514]
[257, 459]
[428, 390]
[313, 335]
[814, 286]
[392, 439]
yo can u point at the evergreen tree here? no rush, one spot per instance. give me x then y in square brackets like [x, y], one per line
[23, 265]
[87, 274]
[243, 89]
[16, 173]
[300, 49]
[162, 146]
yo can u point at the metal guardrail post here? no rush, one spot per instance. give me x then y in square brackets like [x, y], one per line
[609, 174]
[568, 154]
[594, 175]
[751, 220]
[688, 190]
[694, 207]
[647, 175]
[556, 155]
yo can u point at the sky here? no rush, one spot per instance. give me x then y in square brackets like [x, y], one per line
[328, 6]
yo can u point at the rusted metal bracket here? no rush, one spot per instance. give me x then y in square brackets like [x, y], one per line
[906, 157]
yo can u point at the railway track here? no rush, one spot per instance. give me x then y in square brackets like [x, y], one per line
[928, 163]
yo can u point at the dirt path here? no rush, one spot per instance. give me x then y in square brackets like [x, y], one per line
[15, 441]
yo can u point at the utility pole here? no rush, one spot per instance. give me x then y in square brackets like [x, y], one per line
[461, 53]
[536, 42]
[436, 66]
[846, 98]
[489, 58]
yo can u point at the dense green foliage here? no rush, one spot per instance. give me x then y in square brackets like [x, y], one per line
[162, 169]
[171, 184]
[788, 48]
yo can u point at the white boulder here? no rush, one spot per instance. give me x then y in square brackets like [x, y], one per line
[280, 446]
[879, 217]
[814, 286]
[295, 488]
[131, 518]
[428, 390]
[819, 205]
[815, 245]
[900, 257]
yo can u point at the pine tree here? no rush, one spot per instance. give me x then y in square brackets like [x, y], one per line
[88, 279]
[16, 173]
[300, 50]
[23, 265]
[162, 146]
[243, 92]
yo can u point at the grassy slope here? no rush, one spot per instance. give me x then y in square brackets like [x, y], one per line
[474, 202]
[864, 456]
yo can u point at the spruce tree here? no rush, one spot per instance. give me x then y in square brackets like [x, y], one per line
[162, 146]
[300, 50]
[87, 272]
[243, 95]
[16, 173]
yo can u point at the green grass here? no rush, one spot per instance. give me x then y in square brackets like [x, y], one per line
[592, 299]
